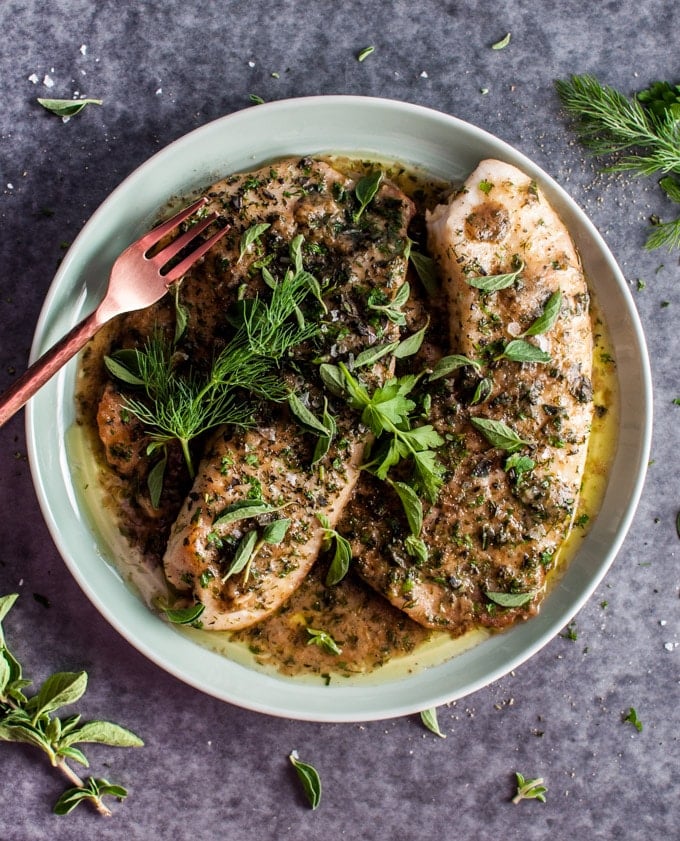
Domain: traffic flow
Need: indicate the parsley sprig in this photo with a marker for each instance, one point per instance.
(31, 720)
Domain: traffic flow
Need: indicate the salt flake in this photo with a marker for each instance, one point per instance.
(83, 49)
(48, 81)
(33, 79)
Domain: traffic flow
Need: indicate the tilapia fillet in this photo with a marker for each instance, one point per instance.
(352, 259)
(498, 522)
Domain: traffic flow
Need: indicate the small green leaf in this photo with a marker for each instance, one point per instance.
(426, 271)
(74, 754)
(372, 354)
(323, 640)
(503, 43)
(310, 779)
(333, 379)
(67, 107)
(6, 603)
(498, 434)
(323, 443)
(482, 392)
(366, 190)
(411, 344)
(632, 717)
(104, 733)
(243, 555)
(306, 418)
(413, 507)
(275, 532)
(510, 599)
(118, 369)
(417, 549)
(529, 789)
(520, 351)
(495, 282)
(57, 691)
(448, 364)
(181, 314)
(184, 616)
(519, 463)
(362, 55)
(547, 319)
(342, 558)
(243, 510)
(251, 235)
(429, 719)
(154, 480)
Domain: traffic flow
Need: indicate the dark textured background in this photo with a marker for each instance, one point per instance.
(210, 770)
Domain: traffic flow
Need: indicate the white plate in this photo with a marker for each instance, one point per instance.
(445, 147)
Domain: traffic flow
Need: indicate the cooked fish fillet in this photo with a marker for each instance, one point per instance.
(495, 529)
(351, 259)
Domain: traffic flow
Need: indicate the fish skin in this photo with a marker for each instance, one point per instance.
(488, 531)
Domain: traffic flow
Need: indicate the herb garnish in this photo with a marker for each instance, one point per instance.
(343, 551)
(532, 789)
(324, 640)
(30, 720)
(496, 282)
(518, 350)
(309, 777)
(65, 108)
(641, 131)
(510, 599)
(362, 55)
(498, 434)
(379, 302)
(547, 319)
(365, 191)
(429, 719)
(632, 716)
(180, 406)
(503, 43)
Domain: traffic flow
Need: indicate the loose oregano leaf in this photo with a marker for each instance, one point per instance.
(426, 271)
(495, 282)
(429, 719)
(243, 510)
(306, 417)
(154, 481)
(67, 107)
(503, 43)
(103, 733)
(547, 319)
(366, 190)
(520, 351)
(243, 555)
(372, 354)
(632, 717)
(498, 434)
(413, 507)
(533, 789)
(251, 235)
(362, 55)
(448, 364)
(57, 691)
(510, 599)
(411, 344)
(309, 777)
(275, 532)
(323, 640)
(184, 616)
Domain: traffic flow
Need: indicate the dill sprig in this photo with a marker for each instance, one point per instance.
(643, 132)
(177, 406)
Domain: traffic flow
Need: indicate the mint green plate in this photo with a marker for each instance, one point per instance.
(445, 147)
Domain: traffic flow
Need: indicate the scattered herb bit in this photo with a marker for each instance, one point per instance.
(546, 321)
(520, 351)
(632, 716)
(255, 99)
(519, 464)
(391, 309)
(641, 285)
(425, 269)
(485, 186)
(154, 481)
(243, 510)
(640, 132)
(498, 434)
(677, 524)
(533, 789)
(676, 401)
(448, 364)
(30, 720)
(250, 236)
(343, 552)
(324, 640)
(366, 190)
(482, 392)
(570, 633)
(503, 43)
(495, 282)
(362, 55)
(67, 107)
(510, 599)
(429, 719)
(185, 615)
(371, 355)
(309, 777)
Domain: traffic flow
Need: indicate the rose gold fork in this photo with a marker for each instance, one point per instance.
(137, 280)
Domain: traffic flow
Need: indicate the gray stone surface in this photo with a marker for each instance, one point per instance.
(210, 770)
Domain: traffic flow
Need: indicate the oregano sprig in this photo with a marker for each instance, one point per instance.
(31, 720)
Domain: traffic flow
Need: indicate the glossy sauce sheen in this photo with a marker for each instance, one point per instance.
(281, 599)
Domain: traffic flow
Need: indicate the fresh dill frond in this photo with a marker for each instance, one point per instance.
(182, 406)
(642, 133)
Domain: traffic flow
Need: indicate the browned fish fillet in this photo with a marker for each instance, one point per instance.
(352, 260)
(495, 528)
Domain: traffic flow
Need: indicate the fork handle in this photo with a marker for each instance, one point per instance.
(47, 365)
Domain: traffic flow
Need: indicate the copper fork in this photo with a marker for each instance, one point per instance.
(137, 280)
